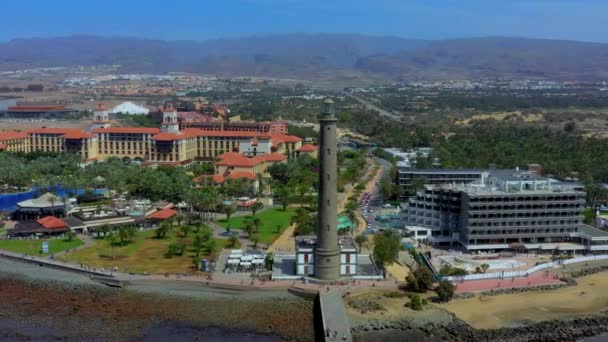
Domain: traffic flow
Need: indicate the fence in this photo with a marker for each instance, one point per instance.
(525, 273)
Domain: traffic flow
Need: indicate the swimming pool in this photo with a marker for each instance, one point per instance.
(471, 265)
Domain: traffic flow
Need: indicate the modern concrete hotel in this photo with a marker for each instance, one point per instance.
(505, 209)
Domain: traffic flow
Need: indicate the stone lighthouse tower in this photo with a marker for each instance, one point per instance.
(327, 252)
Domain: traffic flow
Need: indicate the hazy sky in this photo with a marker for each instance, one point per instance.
(202, 19)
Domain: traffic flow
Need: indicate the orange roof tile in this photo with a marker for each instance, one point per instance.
(273, 157)
(307, 148)
(236, 159)
(11, 135)
(51, 222)
(239, 175)
(163, 214)
(68, 133)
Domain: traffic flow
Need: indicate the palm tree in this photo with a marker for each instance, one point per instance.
(250, 228)
(255, 207)
(228, 210)
(198, 244)
(361, 241)
(52, 201)
(185, 230)
(126, 233)
(113, 239)
(255, 239)
(162, 230)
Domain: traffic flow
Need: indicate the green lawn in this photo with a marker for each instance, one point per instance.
(145, 253)
(271, 218)
(34, 247)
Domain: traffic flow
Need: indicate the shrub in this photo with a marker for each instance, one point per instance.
(394, 294)
(415, 302)
(445, 290)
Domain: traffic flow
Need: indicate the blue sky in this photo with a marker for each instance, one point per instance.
(202, 19)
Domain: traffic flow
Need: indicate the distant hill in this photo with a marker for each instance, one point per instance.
(272, 55)
(493, 58)
(308, 56)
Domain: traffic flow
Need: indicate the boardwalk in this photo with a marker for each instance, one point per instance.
(335, 322)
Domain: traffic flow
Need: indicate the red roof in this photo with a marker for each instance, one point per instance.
(133, 130)
(184, 134)
(51, 222)
(236, 159)
(307, 148)
(163, 214)
(239, 175)
(67, 133)
(273, 157)
(10, 135)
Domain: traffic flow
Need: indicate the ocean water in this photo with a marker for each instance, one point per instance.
(598, 338)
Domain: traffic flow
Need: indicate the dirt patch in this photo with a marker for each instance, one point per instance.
(588, 297)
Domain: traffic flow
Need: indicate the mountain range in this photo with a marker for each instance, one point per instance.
(307, 56)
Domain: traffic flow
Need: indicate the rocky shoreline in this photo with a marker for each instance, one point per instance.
(458, 330)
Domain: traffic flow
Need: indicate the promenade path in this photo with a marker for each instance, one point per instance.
(336, 326)
(535, 279)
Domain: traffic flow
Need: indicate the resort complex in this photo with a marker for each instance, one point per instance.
(174, 143)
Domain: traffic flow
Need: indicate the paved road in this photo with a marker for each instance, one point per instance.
(381, 111)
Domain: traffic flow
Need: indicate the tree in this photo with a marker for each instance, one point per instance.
(361, 241)
(197, 244)
(255, 206)
(162, 230)
(112, 238)
(445, 290)
(69, 236)
(386, 248)
(228, 210)
(211, 246)
(179, 219)
(52, 201)
(185, 230)
(269, 261)
(424, 277)
(415, 302)
(484, 267)
(233, 241)
(412, 283)
(255, 238)
(282, 194)
(126, 233)
(250, 228)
